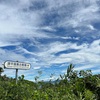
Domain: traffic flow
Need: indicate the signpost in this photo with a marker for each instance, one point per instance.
(16, 65)
(16, 75)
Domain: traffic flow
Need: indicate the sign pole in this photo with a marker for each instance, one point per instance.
(16, 75)
(16, 65)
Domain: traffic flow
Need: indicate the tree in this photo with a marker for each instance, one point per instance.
(85, 74)
(70, 70)
(1, 70)
(21, 78)
(71, 74)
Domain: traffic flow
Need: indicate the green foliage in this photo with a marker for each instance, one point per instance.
(73, 85)
(89, 95)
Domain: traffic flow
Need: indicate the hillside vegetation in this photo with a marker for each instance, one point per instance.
(73, 85)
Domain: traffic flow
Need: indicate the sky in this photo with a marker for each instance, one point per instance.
(50, 35)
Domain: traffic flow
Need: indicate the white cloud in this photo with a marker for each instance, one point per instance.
(2, 44)
(87, 53)
(91, 27)
(95, 71)
(72, 38)
(24, 51)
(10, 55)
(17, 23)
(38, 67)
(14, 20)
(85, 67)
(81, 16)
(84, 55)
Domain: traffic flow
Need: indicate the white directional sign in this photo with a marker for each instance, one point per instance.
(16, 65)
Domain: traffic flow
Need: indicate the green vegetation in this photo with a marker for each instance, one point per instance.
(73, 85)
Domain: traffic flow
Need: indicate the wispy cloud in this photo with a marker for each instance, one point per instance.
(81, 19)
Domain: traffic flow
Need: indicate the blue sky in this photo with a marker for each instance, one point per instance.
(50, 34)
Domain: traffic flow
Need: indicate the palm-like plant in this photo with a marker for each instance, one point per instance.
(70, 71)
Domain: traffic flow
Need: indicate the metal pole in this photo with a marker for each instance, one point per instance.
(16, 75)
